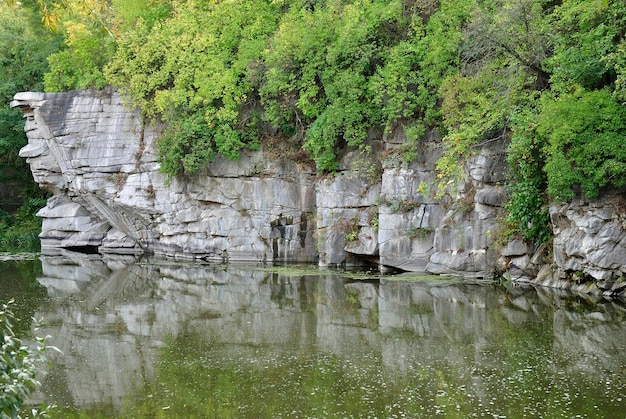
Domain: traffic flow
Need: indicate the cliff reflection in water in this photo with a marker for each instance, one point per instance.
(242, 341)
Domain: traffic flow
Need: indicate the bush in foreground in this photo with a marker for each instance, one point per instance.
(20, 365)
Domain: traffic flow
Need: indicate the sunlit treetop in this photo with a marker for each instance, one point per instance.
(327, 75)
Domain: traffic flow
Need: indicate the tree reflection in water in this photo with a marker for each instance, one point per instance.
(156, 339)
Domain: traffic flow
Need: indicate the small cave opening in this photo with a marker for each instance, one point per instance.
(88, 250)
(368, 262)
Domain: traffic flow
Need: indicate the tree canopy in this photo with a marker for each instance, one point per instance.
(24, 47)
(547, 78)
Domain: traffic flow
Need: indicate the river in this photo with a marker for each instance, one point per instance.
(146, 339)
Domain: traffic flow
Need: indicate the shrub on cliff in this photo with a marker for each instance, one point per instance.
(197, 70)
(325, 73)
(337, 71)
(527, 207)
(586, 135)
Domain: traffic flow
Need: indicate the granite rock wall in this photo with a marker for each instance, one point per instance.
(99, 162)
(98, 159)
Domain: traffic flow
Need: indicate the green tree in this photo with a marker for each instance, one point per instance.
(319, 64)
(24, 49)
(587, 44)
(586, 133)
(196, 71)
(503, 53)
(24, 46)
(407, 85)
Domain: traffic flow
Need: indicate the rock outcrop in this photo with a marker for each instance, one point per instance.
(589, 245)
(99, 162)
(98, 159)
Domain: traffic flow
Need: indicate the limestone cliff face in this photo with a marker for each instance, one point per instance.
(589, 245)
(99, 161)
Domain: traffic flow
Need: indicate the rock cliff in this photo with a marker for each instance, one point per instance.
(98, 159)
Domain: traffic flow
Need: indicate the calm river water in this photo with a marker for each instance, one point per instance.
(153, 339)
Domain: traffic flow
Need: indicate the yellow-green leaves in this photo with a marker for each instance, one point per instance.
(586, 133)
(195, 71)
(321, 81)
(327, 74)
(89, 28)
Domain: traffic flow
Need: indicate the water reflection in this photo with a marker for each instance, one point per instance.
(147, 339)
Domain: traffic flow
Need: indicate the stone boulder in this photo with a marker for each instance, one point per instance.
(590, 240)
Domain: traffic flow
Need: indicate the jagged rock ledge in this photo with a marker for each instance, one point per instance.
(98, 159)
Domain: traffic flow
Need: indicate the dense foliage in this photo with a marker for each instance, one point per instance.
(195, 70)
(24, 47)
(546, 78)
